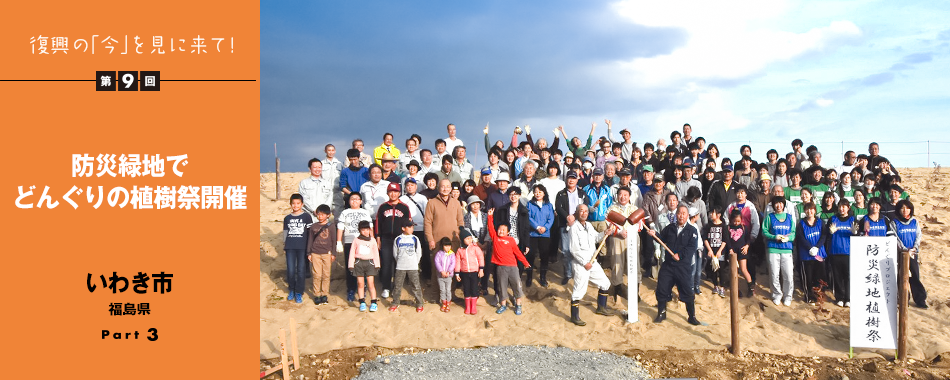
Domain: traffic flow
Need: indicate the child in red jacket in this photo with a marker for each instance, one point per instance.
(505, 256)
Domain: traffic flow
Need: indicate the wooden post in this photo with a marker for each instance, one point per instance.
(293, 344)
(734, 302)
(277, 176)
(283, 355)
(902, 290)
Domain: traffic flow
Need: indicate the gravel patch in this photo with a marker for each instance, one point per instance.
(518, 362)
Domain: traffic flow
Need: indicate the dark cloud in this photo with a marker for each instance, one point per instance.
(340, 70)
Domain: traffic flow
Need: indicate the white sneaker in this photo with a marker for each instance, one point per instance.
(847, 304)
(787, 302)
(840, 304)
(776, 302)
(385, 293)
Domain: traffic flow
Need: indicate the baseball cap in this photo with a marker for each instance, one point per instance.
(572, 174)
(648, 168)
(625, 171)
(727, 168)
(393, 186)
(411, 180)
(486, 171)
(598, 171)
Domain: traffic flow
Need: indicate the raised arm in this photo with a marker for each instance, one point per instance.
(491, 224)
(527, 132)
(590, 137)
(568, 139)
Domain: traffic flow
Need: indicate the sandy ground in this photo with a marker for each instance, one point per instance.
(768, 329)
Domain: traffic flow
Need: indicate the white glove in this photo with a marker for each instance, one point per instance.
(555, 131)
(527, 129)
(813, 251)
(339, 247)
(486, 129)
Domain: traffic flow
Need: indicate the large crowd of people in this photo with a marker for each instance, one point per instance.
(432, 217)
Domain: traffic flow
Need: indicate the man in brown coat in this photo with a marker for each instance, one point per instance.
(443, 217)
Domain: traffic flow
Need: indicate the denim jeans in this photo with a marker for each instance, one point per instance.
(566, 252)
(296, 269)
(696, 267)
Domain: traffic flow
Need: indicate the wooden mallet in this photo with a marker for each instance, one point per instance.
(617, 219)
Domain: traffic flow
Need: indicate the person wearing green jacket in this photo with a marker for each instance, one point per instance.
(779, 232)
(574, 144)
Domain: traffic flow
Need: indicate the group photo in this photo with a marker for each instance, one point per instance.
(443, 187)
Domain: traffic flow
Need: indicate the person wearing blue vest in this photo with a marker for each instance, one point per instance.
(810, 240)
(840, 229)
(874, 223)
(908, 231)
(778, 229)
(599, 200)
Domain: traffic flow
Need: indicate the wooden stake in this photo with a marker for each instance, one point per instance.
(270, 371)
(293, 344)
(902, 288)
(277, 176)
(283, 355)
(734, 302)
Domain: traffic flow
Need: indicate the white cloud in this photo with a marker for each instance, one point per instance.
(822, 102)
(725, 41)
(709, 114)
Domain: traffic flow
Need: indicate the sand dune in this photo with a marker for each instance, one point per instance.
(766, 328)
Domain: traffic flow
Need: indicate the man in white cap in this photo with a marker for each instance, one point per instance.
(499, 198)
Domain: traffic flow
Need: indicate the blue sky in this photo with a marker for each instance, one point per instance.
(762, 71)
